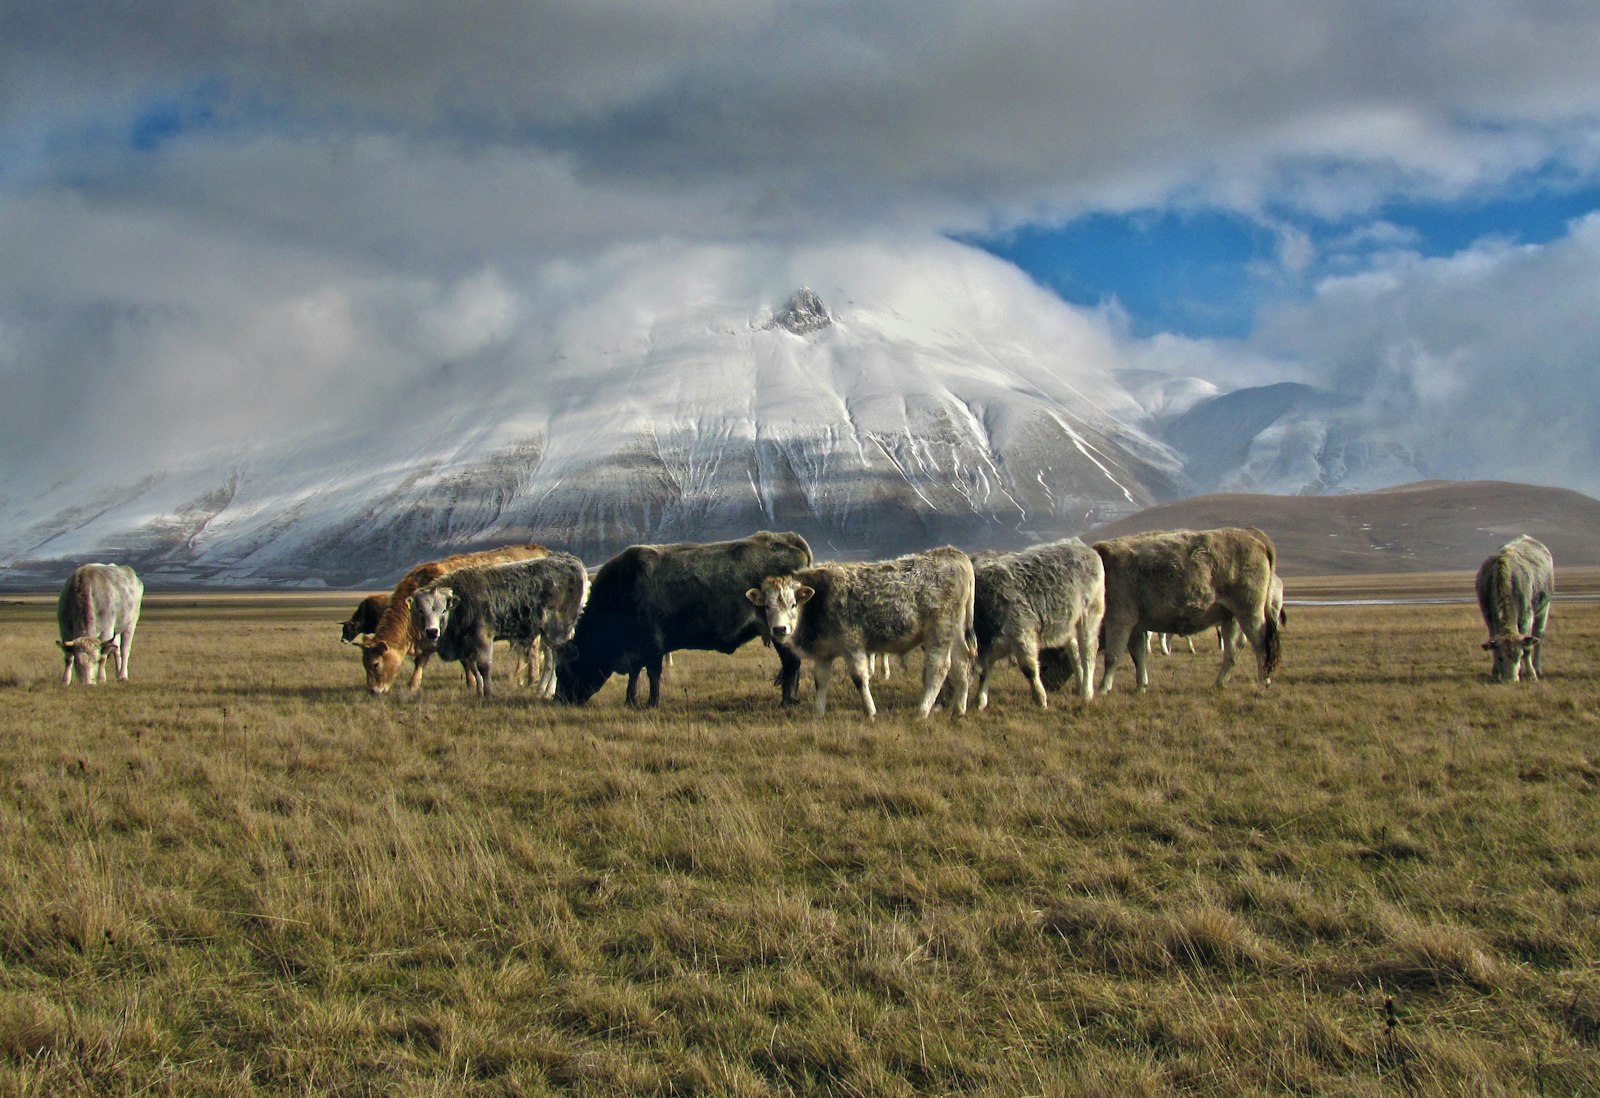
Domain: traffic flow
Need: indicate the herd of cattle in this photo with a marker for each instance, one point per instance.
(1050, 608)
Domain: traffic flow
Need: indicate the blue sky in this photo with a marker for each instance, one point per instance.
(1204, 272)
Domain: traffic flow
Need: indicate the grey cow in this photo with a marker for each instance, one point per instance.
(1046, 596)
(1184, 581)
(463, 613)
(852, 610)
(97, 614)
(1514, 589)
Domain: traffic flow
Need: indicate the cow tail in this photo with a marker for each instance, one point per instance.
(1272, 644)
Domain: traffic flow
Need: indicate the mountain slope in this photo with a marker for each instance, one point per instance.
(1424, 527)
(930, 412)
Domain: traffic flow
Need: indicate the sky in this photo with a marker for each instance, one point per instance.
(219, 218)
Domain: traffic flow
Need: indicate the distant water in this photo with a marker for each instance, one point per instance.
(1448, 600)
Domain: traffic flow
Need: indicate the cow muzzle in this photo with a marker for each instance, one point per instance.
(431, 634)
(780, 630)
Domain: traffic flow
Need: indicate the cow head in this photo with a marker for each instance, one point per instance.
(579, 676)
(1511, 651)
(86, 658)
(382, 663)
(349, 630)
(430, 608)
(781, 597)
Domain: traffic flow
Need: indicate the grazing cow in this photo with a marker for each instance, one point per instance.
(526, 601)
(1046, 596)
(365, 619)
(97, 613)
(394, 638)
(1514, 589)
(853, 610)
(1183, 581)
(651, 600)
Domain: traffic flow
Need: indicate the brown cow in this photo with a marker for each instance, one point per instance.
(1184, 581)
(395, 638)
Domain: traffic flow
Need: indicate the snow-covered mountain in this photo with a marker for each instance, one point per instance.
(871, 413)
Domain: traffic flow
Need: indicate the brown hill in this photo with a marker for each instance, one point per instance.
(1430, 526)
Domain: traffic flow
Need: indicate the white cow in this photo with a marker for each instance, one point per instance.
(97, 614)
(852, 610)
(1047, 596)
(1514, 589)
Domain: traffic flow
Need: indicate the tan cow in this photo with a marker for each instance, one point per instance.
(1185, 581)
(395, 638)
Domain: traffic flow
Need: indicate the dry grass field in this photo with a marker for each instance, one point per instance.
(239, 874)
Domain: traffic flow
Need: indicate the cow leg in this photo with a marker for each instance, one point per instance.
(822, 674)
(861, 674)
(1117, 641)
(1083, 646)
(985, 668)
(482, 663)
(418, 662)
(959, 674)
(788, 675)
(935, 669)
(1028, 664)
(653, 669)
(632, 696)
(547, 672)
(1228, 631)
(125, 652)
(1540, 617)
(1139, 651)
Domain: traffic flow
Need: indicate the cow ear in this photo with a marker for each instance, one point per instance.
(756, 596)
(803, 594)
(65, 646)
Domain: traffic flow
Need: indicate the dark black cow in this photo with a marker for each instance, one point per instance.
(367, 614)
(650, 600)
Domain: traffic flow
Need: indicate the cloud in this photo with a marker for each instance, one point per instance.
(1486, 359)
(227, 217)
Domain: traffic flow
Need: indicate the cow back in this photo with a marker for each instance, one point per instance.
(100, 601)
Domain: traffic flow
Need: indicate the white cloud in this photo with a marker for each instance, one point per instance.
(1489, 360)
(350, 195)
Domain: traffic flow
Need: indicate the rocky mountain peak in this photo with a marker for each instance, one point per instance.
(803, 313)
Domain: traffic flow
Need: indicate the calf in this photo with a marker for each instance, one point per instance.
(1184, 581)
(1514, 589)
(1047, 596)
(853, 610)
(527, 601)
(97, 613)
(365, 619)
(394, 638)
